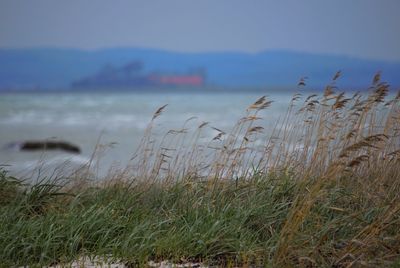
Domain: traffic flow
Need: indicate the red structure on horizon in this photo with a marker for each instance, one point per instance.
(132, 75)
(178, 80)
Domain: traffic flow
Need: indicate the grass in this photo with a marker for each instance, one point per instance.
(321, 190)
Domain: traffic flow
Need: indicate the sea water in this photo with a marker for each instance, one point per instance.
(113, 121)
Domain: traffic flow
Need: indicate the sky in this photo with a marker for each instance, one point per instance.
(358, 28)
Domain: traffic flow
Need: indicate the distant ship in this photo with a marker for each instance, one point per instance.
(131, 75)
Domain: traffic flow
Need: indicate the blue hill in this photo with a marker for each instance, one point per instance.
(59, 68)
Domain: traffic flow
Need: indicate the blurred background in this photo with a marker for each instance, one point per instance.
(93, 72)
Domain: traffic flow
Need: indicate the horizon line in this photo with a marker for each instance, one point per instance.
(217, 51)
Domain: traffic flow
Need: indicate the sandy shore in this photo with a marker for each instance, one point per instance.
(99, 262)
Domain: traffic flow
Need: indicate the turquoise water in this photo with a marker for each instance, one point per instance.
(87, 119)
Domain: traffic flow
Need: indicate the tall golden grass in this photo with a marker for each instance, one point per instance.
(318, 136)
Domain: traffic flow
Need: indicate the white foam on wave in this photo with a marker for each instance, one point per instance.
(102, 120)
(47, 167)
(26, 117)
(56, 160)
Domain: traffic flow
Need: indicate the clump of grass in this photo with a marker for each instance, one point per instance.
(319, 189)
(138, 222)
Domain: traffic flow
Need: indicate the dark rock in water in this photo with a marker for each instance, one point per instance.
(48, 145)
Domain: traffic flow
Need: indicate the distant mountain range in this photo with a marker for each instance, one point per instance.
(49, 68)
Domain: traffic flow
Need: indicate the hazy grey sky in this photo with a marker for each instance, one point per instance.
(361, 28)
